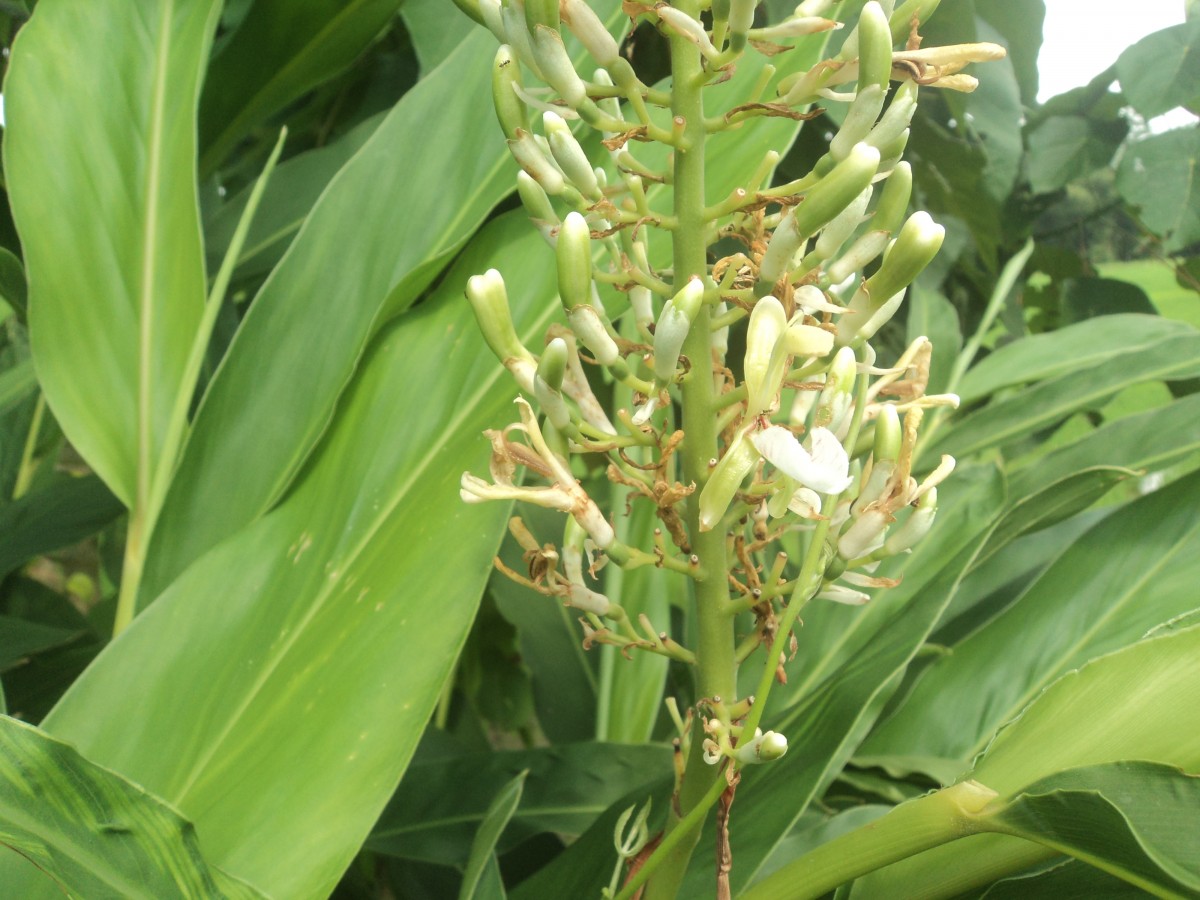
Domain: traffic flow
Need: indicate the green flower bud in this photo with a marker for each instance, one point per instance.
(874, 47)
(765, 356)
(860, 119)
(570, 156)
(842, 226)
(861, 252)
(837, 190)
(915, 527)
(761, 748)
(590, 31)
(807, 340)
(893, 199)
(901, 20)
(510, 110)
(896, 118)
(552, 367)
(640, 300)
(532, 160)
(888, 434)
(541, 12)
(492, 14)
(784, 243)
(915, 247)
(489, 300)
(673, 326)
(610, 106)
(516, 34)
(725, 479)
(574, 254)
(741, 20)
(548, 385)
(535, 200)
(590, 328)
(557, 69)
(836, 400)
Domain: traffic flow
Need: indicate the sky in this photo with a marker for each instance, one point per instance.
(1082, 38)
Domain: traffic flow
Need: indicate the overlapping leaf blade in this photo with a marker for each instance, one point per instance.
(312, 645)
(107, 176)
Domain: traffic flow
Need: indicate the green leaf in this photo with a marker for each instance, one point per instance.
(1065, 148)
(280, 51)
(1069, 879)
(1105, 592)
(60, 513)
(314, 315)
(92, 833)
(1086, 298)
(288, 199)
(13, 289)
(1135, 820)
(435, 31)
(20, 638)
(1158, 175)
(1136, 703)
(111, 331)
(310, 651)
(17, 383)
(1049, 402)
(1162, 70)
(440, 802)
(1088, 344)
(483, 848)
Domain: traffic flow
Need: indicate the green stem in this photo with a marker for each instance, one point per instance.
(716, 671)
(28, 466)
(907, 830)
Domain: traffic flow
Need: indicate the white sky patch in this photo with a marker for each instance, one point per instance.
(1082, 38)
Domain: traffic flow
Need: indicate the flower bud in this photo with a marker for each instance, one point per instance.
(541, 12)
(896, 118)
(915, 527)
(874, 47)
(590, 31)
(506, 74)
(837, 400)
(837, 190)
(915, 247)
(807, 340)
(741, 19)
(761, 748)
(574, 255)
(888, 434)
(548, 384)
(570, 156)
(537, 206)
(860, 119)
(489, 300)
(589, 327)
(861, 252)
(673, 326)
(901, 19)
(865, 534)
(640, 300)
(765, 359)
(492, 14)
(518, 35)
(798, 26)
(725, 480)
(893, 199)
(685, 26)
(784, 243)
(557, 69)
(842, 226)
(529, 157)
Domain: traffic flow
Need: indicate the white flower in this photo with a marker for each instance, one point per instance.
(825, 468)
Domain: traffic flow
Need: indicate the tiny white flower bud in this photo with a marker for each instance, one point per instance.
(764, 360)
(570, 156)
(685, 26)
(587, 27)
(673, 327)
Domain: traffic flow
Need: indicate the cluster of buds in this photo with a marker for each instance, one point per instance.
(814, 439)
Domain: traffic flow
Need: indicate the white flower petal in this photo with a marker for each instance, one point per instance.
(825, 470)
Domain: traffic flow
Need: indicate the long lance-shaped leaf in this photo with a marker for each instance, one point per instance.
(102, 182)
(92, 833)
(1137, 568)
(481, 878)
(1141, 702)
(312, 645)
(280, 50)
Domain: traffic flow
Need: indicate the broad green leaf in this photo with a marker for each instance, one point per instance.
(279, 51)
(1136, 703)
(435, 30)
(310, 646)
(1158, 175)
(112, 331)
(373, 243)
(1162, 70)
(1067, 879)
(1049, 402)
(1064, 148)
(21, 638)
(13, 289)
(1147, 441)
(1094, 343)
(91, 832)
(1086, 298)
(288, 199)
(826, 726)
(1135, 569)
(483, 849)
(441, 802)
(60, 513)
(1133, 819)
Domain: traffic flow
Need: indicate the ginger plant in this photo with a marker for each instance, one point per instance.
(802, 438)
